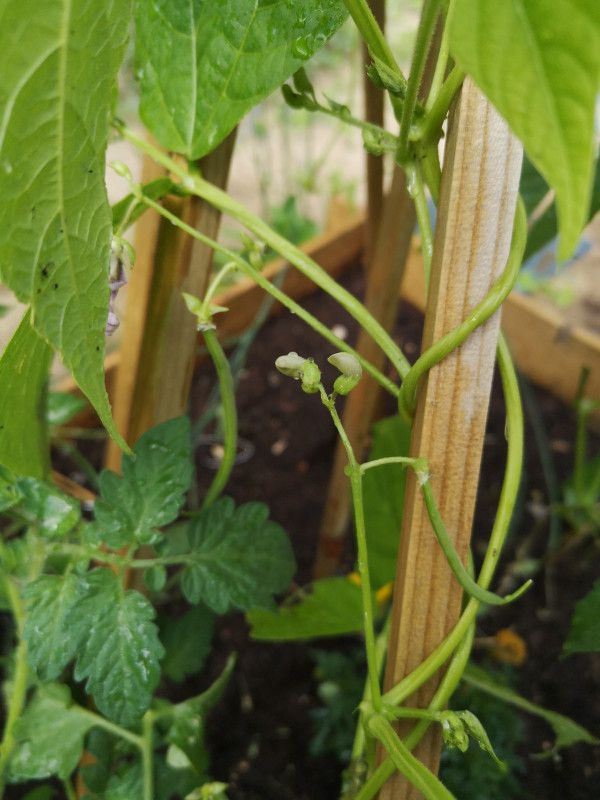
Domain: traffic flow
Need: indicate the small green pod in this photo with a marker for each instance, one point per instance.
(311, 377)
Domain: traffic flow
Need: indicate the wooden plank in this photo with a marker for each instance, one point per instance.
(479, 186)
(159, 336)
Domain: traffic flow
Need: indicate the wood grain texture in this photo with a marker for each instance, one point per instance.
(478, 195)
(159, 336)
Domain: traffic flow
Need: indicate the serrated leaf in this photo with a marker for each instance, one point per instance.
(584, 634)
(120, 652)
(332, 607)
(52, 513)
(62, 407)
(49, 736)
(202, 64)
(24, 366)
(383, 498)
(239, 558)
(538, 61)
(59, 61)
(187, 641)
(151, 492)
(52, 640)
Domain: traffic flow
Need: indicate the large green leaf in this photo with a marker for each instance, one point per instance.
(584, 636)
(49, 736)
(119, 649)
(23, 377)
(239, 557)
(203, 64)
(538, 61)
(332, 607)
(59, 61)
(383, 496)
(51, 639)
(152, 490)
(544, 229)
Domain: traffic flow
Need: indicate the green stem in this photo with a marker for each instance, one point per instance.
(227, 392)
(18, 692)
(111, 727)
(355, 475)
(506, 504)
(424, 35)
(419, 464)
(420, 777)
(473, 589)
(439, 73)
(429, 130)
(482, 312)
(416, 189)
(148, 755)
(439, 701)
(70, 792)
(221, 200)
(376, 43)
(275, 292)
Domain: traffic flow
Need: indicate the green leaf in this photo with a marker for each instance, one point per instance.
(24, 368)
(49, 736)
(62, 407)
(333, 607)
(545, 227)
(383, 497)
(567, 731)
(239, 557)
(187, 642)
(538, 61)
(584, 635)
(532, 187)
(203, 64)
(210, 791)
(52, 513)
(59, 61)
(152, 490)
(119, 652)
(52, 640)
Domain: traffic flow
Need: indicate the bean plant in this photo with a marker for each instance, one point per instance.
(83, 585)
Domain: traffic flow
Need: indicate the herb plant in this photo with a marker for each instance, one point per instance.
(201, 67)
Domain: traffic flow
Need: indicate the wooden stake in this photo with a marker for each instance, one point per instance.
(374, 113)
(478, 194)
(384, 277)
(159, 336)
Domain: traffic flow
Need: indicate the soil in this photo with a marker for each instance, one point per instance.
(259, 734)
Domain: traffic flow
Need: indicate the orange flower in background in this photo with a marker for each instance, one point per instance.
(508, 647)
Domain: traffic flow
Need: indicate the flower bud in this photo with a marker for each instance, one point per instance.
(291, 365)
(311, 377)
(351, 371)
